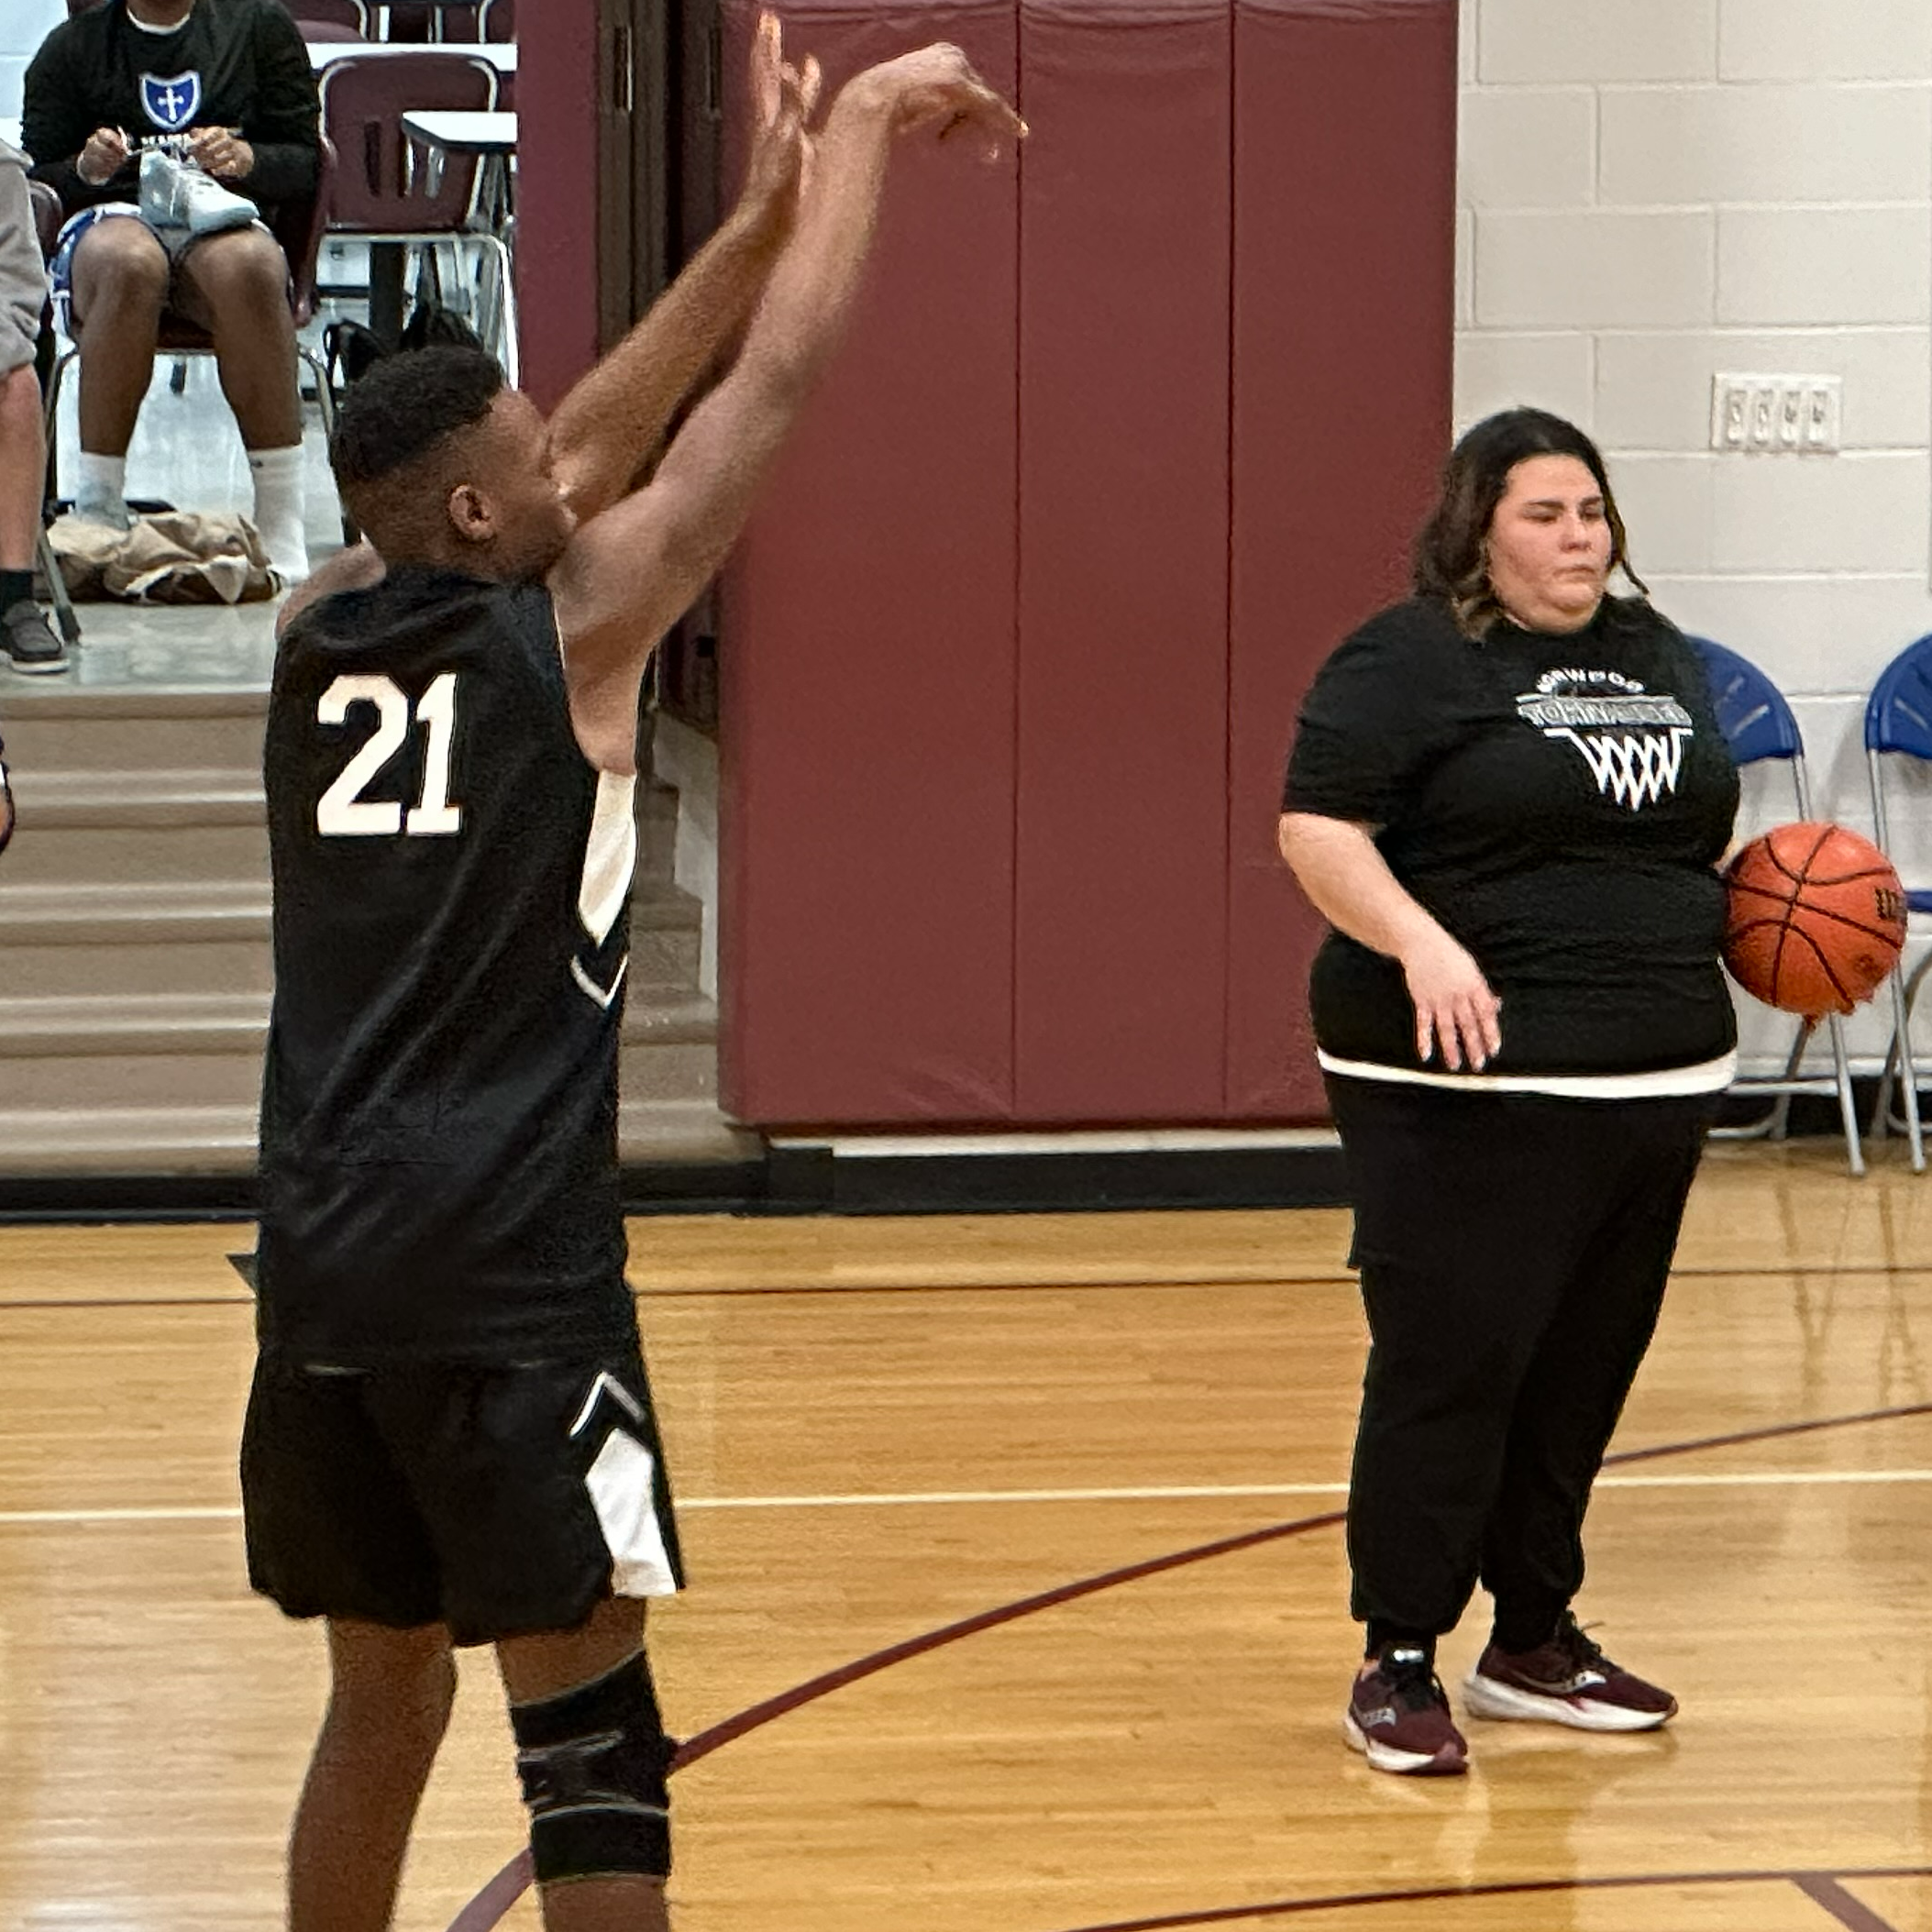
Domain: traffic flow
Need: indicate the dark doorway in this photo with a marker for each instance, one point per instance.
(661, 89)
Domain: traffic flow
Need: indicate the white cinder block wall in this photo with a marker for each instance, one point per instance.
(1653, 191)
(24, 24)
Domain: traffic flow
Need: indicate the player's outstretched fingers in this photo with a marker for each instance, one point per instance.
(767, 67)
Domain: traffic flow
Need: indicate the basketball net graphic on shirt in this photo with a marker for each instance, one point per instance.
(1632, 742)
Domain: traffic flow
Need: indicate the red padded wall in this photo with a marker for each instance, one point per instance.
(1012, 653)
(1122, 925)
(868, 657)
(1344, 166)
(557, 202)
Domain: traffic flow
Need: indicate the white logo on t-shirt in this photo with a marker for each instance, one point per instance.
(1632, 742)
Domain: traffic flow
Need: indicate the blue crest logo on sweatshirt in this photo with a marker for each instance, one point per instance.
(172, 102)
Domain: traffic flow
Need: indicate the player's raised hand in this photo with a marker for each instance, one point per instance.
(936, 87)
(784, 98)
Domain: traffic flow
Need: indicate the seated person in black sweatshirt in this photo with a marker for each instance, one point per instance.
(159, 122)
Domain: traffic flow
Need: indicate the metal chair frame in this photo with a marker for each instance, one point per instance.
(1758, 726)
(466, 227)
(1898, 723)
(46, 206)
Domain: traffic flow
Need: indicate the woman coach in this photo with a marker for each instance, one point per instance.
(1507, 796)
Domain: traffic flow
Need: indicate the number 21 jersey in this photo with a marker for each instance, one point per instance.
(451, 881)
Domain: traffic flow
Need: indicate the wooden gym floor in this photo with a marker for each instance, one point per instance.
(882, 1430)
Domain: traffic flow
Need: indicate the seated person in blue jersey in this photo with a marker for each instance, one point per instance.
(166, 126)
(450, 1437)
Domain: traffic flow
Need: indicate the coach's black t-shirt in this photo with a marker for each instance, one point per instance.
(452, 880)
(1559, 804)
(231, 63)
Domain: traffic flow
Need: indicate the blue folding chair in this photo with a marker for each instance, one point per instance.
(1758, 725)
(1898, 723)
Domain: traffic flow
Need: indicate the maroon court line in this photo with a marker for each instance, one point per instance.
(1822, 1887)
(510, 1884)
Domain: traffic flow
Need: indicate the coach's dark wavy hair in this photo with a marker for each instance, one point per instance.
(393, 417)
(1452, 550)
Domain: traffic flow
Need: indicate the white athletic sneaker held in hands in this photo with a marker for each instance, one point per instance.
(178, 196)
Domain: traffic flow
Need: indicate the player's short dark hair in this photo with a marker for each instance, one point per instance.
(1450, 560)
(404, 406)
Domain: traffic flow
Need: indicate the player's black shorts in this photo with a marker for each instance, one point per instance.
(498, 1501)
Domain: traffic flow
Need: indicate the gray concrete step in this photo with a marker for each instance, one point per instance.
(191, 1052)
(135, 967)
(189, 1141)
(61, 728)
(128, 939)
(195, 823)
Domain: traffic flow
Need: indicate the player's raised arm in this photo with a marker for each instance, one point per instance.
(611, 425)
(629, 573)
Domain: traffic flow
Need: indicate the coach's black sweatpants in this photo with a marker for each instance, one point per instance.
(1513, 1249)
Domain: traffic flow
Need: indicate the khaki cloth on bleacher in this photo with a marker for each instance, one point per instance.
(23, 275)
(173, 556)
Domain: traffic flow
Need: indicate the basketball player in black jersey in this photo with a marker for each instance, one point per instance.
(451, 1438)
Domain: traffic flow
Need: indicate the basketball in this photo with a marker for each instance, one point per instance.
(1816, 919)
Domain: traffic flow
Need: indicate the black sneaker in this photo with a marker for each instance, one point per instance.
(28, 639)
(1566, 1681)
(1397, 1717)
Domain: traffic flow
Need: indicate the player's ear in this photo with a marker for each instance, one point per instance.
(470, 514)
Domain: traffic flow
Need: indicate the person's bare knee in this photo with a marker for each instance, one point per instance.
(554, 1660)
(119, 271)
(237, 283)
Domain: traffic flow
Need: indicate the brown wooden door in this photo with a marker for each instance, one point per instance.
(633, 147)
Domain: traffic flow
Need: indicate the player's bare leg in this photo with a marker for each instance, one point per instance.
(389, 1695)
(538, 1669)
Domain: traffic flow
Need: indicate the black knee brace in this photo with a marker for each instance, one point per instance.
(593, 1762)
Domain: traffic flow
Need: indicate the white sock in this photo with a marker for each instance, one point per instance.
(101, 490)
(279, 510)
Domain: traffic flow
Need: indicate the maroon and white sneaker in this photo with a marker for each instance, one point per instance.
(1566, 1681)
(1397, 1717)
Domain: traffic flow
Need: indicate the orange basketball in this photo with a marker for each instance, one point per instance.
(1817, 920)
